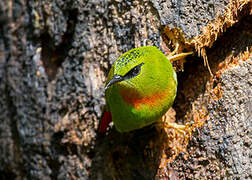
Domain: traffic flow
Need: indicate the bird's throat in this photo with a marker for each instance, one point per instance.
(138, 101)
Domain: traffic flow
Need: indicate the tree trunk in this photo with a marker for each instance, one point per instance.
(54, 58)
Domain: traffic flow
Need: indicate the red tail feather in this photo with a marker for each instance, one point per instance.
(104, 122)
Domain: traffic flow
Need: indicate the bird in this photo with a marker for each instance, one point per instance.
(140, 88)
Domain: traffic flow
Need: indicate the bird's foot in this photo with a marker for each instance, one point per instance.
(175, 55)
(175, 51)
(179, 56)
(182, 128)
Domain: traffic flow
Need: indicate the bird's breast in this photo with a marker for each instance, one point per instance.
(137, 100)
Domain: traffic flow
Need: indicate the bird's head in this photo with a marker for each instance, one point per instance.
(140, 69)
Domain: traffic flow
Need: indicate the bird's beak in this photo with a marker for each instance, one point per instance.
(116, 78)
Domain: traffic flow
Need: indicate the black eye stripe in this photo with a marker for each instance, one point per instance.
(133, 72)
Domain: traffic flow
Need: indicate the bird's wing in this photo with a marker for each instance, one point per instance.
(105, 120)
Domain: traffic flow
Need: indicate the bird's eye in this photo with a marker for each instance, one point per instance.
(133, 72)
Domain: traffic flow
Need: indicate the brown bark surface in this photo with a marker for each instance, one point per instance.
(54, 58)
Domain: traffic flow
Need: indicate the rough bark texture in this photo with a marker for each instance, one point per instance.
(54, 57)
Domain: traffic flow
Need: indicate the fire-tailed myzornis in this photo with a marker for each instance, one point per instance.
(140, 88)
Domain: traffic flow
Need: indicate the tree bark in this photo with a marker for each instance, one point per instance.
(54, 58)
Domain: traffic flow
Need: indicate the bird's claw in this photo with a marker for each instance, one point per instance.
(183, 129)
(175, 55)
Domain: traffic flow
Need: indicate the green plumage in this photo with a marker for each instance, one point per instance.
(141, 87)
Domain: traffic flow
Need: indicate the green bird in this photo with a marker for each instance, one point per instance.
(140, 88)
